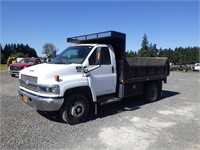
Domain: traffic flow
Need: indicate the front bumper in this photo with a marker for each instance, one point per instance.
(41, 103)
(16, 72)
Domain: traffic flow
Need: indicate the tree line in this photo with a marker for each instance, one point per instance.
(178, 56)
(21, 50)
(16, 50)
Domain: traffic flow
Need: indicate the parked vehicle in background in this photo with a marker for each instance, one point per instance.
(14, 69)
(42, 60)
(19, 58)
(93, 72)
(197, 67)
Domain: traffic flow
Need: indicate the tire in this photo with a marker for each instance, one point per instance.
(151, 93)
(75, 109)
(12, 75)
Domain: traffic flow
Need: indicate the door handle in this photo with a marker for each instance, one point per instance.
(113, 69)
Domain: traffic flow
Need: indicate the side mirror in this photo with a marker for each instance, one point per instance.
(98, 56)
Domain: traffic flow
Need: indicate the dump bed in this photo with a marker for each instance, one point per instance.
(136, 69)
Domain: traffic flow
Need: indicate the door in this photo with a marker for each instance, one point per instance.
(103, 79)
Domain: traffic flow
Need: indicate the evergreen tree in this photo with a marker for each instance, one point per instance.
(152, 50)
(130, 53)
(12, 49)
(1, 52)
(192, 54)
(7, 50)
(3, 60)
(143, 52)
(169, 53)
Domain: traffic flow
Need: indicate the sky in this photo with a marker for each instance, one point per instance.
(168, 24)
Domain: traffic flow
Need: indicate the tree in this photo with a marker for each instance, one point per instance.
(143, 52)
(18, 55)
(169, 53)
(192, 55)
(49, 50)
(7, 50)
(12, 49)
(130, 53)
(3, 60)
(152, 50)
(179, 55)
(1, 48)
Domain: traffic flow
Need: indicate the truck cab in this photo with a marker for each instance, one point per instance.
(93, 71)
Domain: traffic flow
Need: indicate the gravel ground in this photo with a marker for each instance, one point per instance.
(170, 123)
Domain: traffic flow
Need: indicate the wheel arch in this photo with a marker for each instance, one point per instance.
(157, 82)
(83, 90)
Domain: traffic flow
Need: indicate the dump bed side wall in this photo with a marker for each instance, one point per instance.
(137, 69)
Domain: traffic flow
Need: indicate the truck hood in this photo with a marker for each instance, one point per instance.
(48, 71)
(21, 64)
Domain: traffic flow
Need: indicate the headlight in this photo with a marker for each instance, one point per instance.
(54, 89)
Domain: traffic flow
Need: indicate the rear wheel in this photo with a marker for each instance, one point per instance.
(75, 109)
(151, 93)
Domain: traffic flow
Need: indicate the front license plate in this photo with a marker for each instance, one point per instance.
(25, 98)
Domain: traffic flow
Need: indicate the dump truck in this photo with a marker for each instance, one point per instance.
(92, 72)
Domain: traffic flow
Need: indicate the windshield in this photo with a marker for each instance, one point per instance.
(73, 55)
(27, 60)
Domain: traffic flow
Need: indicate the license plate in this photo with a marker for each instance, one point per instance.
(25, 98)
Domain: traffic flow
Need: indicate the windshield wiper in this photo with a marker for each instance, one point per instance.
(60, 62)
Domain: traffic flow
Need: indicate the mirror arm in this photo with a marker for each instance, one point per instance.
(86, 69)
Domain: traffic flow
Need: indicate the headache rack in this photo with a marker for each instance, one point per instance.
(116, 39)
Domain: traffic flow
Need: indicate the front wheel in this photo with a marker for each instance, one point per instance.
(151, 93)
(75, 109)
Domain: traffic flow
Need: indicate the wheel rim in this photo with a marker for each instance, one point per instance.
(77, 110)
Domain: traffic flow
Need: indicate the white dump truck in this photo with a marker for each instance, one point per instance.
(94, 71)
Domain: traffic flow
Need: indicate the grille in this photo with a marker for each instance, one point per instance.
(28, 82)
(16, 68)
(29, 78)
(29, 86)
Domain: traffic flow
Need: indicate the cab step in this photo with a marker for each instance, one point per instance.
(105, 100)
(108, 100)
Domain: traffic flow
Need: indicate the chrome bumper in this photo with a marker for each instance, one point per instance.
(41, 103)
(14, 72)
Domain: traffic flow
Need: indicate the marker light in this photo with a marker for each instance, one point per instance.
(56, 77)
(98, 56)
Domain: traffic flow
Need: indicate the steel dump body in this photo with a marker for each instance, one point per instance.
(137, 69)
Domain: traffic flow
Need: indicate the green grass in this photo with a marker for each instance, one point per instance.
(3, 68)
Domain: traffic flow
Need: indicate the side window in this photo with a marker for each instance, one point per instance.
(105, 57)
(92, 59)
